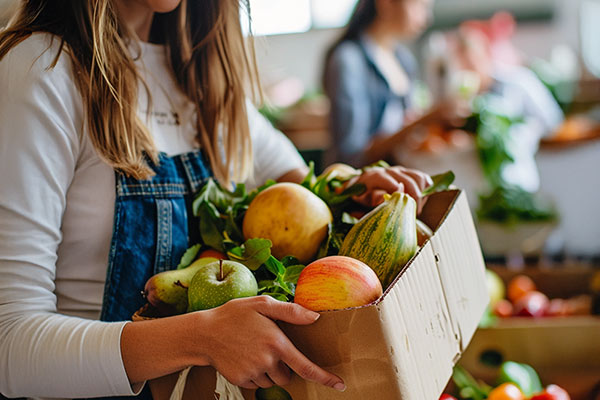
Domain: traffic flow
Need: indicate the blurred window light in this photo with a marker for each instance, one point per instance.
(331, 13)
(272, 17)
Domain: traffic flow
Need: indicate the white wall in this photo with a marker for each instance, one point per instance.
(301, 55)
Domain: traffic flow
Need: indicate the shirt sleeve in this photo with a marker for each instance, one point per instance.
(274, 154)
(43, 353)
(347, 89)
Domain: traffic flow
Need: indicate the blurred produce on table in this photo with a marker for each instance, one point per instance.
(520, 296)
(513, 381)
(561, 343)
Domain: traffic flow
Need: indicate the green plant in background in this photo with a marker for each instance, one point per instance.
(553, 78)
(503, 202)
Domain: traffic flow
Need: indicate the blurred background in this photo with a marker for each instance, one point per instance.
(556, 39)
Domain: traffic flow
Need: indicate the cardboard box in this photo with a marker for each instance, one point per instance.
(564, 350)
(405, 345)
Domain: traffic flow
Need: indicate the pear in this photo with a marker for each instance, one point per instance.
(168, 291)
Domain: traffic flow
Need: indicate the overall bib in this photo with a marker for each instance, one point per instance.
(153, 226)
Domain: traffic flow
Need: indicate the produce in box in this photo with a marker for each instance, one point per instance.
(269, 235)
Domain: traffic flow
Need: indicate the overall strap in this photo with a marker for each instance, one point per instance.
(153, 226)
(196, 169)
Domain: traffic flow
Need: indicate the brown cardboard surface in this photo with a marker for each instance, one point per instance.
(405, 345)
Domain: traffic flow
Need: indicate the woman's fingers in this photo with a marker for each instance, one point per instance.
(411, 187)
(280, 375)
(422, 179)
(309, 370)
(248, 385)
(380, 181)
(263, 381)
(282, 311)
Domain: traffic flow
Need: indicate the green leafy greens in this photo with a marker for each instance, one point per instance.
(503, 202)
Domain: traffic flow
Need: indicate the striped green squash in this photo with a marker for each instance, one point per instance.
(385, 238)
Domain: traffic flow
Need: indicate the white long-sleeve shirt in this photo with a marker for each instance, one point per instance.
(56, 215)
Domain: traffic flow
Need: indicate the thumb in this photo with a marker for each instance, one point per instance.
(287, 312)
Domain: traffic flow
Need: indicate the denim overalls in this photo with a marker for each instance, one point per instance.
(153, 226)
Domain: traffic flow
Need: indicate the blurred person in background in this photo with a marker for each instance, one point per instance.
(370, 76)
(509, 89)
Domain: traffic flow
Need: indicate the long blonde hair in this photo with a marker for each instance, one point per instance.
(206, 50)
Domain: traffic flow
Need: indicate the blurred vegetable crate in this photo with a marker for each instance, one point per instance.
(564, 350)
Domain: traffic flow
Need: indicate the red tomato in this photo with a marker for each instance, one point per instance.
(532, 304)
(503, 308)
(552, 392)
(519, 286)
(446, 396)
(506, 391)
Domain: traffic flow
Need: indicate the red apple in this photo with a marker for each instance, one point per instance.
(531, 304)
(336, 282)
(213, 253)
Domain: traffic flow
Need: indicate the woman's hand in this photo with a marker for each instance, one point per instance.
(380, 181)
(245, 345)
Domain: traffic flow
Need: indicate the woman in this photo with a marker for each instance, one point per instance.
(369, 78)
(105, 107)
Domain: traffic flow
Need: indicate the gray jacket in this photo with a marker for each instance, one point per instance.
(358, 93)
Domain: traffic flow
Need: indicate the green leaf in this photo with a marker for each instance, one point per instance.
(355, 190)
(211, 229)
(277, 296)
(324, 247)
(189, 256)
(292, 273)
(310, 178)
(349, 219)
(213, 194)
(288, 261)
(468, 386)
(377, 164)
(275, 266)
(253, 253)
(441, 182)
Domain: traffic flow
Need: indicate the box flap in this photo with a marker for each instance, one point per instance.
(418, 328)
(462, 269)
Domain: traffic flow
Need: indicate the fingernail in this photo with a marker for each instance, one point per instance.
(339, 387)
(314, 315)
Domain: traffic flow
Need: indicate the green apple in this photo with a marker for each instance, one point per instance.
(272, 393)
(219, 282)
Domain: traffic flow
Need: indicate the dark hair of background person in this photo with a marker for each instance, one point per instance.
(363, 15)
